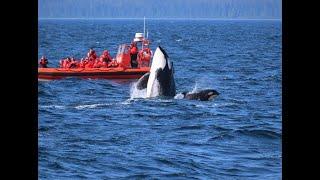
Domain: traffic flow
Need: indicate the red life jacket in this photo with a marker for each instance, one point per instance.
(73, 64)
(134, 50)
(83, 63)
(109, 58)
(97, 63)
(89, 64)
(104, 64)
(68, 64)
(113, 64)
(94, 56)
(64, 63)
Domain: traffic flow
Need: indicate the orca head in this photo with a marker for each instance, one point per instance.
(161, 78)
(209, 94)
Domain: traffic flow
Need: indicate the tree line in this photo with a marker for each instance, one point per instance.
(160, 8)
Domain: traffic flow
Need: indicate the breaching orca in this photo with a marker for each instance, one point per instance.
(160, 80)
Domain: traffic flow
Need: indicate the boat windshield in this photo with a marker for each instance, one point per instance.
(123, 49)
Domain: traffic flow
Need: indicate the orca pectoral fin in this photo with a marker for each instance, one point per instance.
(143, 81)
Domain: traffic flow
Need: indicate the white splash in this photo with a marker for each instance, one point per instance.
(179, 96)
(136, 93)
(195, 88)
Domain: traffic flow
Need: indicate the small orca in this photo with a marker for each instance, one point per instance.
(202, 95)
(160, 80)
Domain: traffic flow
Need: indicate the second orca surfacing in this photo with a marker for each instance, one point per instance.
(160, 80)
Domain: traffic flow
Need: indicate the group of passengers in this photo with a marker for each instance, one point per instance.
(90, 61)
(143, 55)
(104, 61)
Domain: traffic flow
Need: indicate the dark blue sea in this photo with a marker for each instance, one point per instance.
(96, 129)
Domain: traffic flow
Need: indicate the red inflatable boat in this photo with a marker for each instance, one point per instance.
(120, 66)
(92, 73)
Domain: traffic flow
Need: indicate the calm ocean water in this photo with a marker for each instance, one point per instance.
(94, 128)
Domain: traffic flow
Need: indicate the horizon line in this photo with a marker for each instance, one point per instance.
(275, 19)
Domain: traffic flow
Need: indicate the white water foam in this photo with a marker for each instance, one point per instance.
(44, 80)
(136, 93)
(90, 106)
(53, 107)
(127, 102)
(179, 96)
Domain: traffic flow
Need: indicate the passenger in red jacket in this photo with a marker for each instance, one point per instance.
(90, 63)
(43, 62)
(99, 63)
(134, 54)
(92, 54)
(67, 63)
(73, 63)
(83, 62)
(64, 63)
(103, 60)
(106, 57)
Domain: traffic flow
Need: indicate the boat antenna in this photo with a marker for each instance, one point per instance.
(144, 26)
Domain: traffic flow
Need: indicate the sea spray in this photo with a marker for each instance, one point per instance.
(136, 93)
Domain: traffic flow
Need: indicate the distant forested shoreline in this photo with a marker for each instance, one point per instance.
(242, 9)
